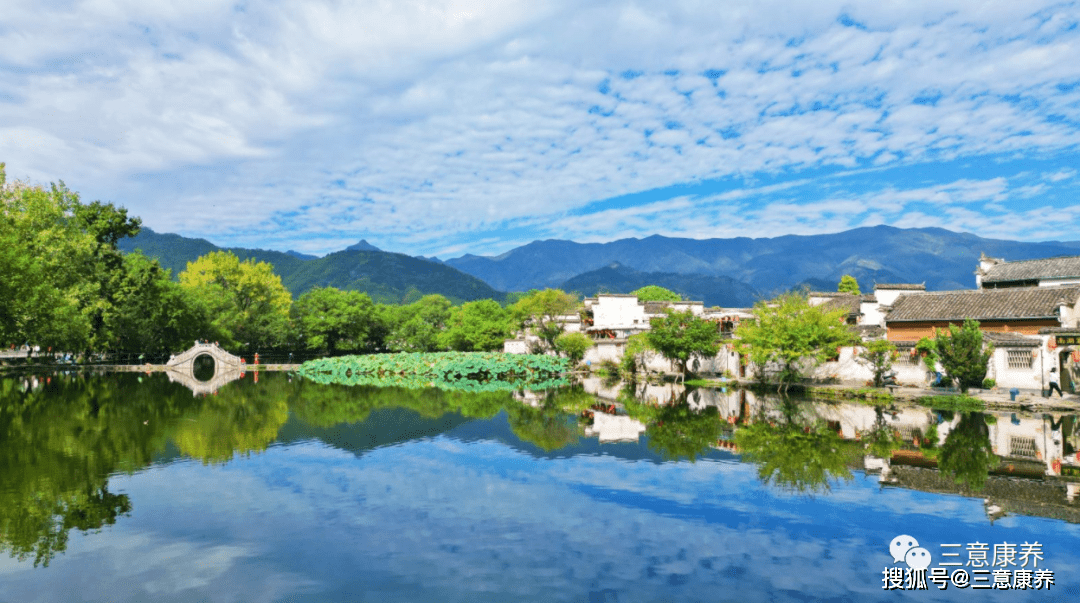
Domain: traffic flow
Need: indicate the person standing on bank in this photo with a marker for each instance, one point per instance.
(1054, 383)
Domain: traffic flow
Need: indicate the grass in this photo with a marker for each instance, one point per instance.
(961, 403)
(864, 393)
(710, 383)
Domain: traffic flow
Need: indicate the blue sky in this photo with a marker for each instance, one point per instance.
(440, 128)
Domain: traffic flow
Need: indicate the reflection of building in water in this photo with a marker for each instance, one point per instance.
(1051, 498)
(614, 428)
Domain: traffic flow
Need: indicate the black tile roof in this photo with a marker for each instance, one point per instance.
(984, 304)
(1026, 270)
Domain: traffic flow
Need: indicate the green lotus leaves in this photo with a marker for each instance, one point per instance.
(460, 371)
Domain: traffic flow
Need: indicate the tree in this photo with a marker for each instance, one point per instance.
(679, 335)
(656, 293)
(791, 333)
(416, 327)
(963, 354)
(573, 346)
(150, 312)
(328, 317)
(848, 284)
(246, 302)
(541, 309)
(478, 326)
(879, 354)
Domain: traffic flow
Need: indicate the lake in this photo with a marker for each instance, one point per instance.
(126, 487)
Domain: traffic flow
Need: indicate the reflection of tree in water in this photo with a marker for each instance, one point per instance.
(552, 424)
(967, 452)
(795, 453)
(881, 439)
(674, 430)
(60, 443)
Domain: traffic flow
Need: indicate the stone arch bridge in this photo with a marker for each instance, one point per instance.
(181, 368)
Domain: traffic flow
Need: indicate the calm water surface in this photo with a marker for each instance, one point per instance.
(116, 488)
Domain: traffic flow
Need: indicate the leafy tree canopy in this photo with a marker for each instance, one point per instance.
(679, 335)
(573, 346)
(246, 302)
(330, 319)
(848, 284)
(963, 354)
(656, 293)
(791, 333)
(477, 326)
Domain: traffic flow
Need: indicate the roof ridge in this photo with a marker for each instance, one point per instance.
(1055, 257)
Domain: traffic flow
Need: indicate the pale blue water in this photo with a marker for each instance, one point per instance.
(399, 508)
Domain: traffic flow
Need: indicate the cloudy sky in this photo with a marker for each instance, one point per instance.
(446, 127)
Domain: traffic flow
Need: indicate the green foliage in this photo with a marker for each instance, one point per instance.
(573, 346)
(963, 354)
(848, 284)
(478, 326)
(446, 370)
(927, 349)
(989, 383)
(679, 335)
(151, 313)
(329, 319)
(677, 431)
(634, 356)
(416, 327)
(953, 403)
(791, 333)
(656, 293)
(539, 310)
(801, 458)
(879, 354)
(62, 272)
(968, 453)
(246, 302)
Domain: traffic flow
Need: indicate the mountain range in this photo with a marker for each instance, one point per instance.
(724, 272)
(387, 277)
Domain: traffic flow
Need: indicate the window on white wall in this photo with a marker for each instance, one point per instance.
(1019, 359)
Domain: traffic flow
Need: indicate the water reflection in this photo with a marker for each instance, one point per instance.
(795, 450)
(63, 436)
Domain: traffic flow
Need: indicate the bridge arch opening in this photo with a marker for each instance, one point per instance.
(204, 367)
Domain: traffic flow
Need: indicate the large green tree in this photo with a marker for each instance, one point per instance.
(60, 266)
(478, 326)
(963, 354)
(416, 327)
(330, 319)
(246, 302)
(792, 334)
(151, 313)
(679, 335)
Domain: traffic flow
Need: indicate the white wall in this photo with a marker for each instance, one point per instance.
(615, 311)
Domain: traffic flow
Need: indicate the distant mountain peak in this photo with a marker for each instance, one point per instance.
(363, 245)
(302, 256)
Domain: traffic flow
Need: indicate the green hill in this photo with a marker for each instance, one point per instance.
(386, 277)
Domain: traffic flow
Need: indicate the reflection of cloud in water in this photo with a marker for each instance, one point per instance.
(445, 520)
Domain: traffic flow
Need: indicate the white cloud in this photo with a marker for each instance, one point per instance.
(422, 122)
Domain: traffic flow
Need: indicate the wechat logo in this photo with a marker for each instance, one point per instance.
(905, 548)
